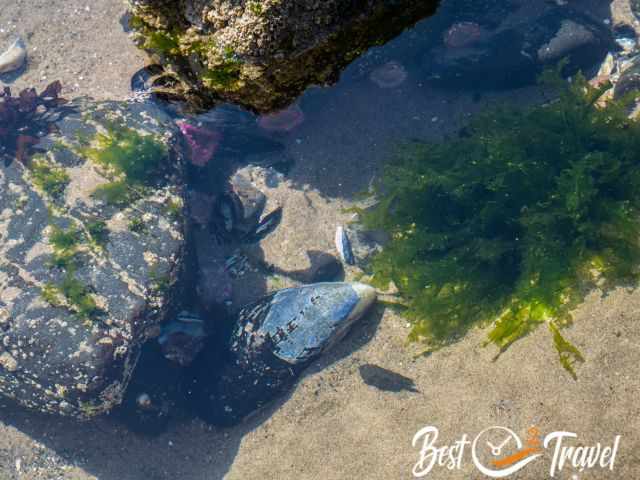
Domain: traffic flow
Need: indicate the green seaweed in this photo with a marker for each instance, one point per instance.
(99, 232)
(173, 209)
(160, 284)
(162, 42)
(513, 221)
(50, 295)
(226, 74)
(117, 193)
(65, 240)
(133, 160)
(126, 152)
(50, 178)
(65, 243)
(137, 225)
(256, 8)
(79, 296)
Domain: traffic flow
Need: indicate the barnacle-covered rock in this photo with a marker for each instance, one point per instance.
(263, 54)
(90, 245)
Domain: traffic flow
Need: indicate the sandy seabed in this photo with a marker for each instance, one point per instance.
(333, 425)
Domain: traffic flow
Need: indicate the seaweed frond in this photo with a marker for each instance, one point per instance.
(511, 223)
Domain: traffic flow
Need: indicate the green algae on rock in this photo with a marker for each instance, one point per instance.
(263, 55)
(513, 221)
(78, 292)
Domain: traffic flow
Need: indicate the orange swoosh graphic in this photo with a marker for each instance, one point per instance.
(504, 462)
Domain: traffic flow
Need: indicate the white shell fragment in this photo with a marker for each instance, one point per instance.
(343, 245)
(14, 57)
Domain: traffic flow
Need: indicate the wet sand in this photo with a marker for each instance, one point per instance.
(333, 425)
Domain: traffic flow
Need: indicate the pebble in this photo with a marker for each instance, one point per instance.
(14, 57)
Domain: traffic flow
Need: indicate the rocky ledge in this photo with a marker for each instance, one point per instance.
(263, 53)
(91, 242)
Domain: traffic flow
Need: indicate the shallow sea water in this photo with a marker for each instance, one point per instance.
(344, 136)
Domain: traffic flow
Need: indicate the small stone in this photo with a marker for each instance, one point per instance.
(8, 362)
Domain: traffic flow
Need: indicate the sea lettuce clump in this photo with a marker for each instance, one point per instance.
(511, 222)
(132, 160)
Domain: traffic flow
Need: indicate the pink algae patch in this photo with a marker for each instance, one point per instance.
(202, 142)
(282, 121)
(390, 75)
(462, 34)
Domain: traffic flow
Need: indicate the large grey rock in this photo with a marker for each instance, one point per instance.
(71, 329)
(263, 54)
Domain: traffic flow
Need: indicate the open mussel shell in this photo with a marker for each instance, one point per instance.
(143, 79)
(227, 213)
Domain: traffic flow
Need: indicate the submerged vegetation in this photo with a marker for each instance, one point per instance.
(66, 245)
(50, 178)
(126, 152)
(131, 159)
(513, 221)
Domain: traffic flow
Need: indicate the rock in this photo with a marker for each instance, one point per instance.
(324, 267)
(264, 54)
(272, 342)
(214, 283)
(248, 205)
(182, 339)
(635, 7)
(629, 80)
(88, 254)
(515, 56)
(364, 243)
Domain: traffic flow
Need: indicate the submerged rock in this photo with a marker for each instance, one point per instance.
(515, 56)
(272, 342)
(264, 54)
(629, 80)
(182, 339)
(90, 245)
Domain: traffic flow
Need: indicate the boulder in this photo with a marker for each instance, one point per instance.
(91, 244)
(263, 54)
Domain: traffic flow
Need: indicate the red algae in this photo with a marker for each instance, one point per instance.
(282, 121)
(463, 34)
(202, 142)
